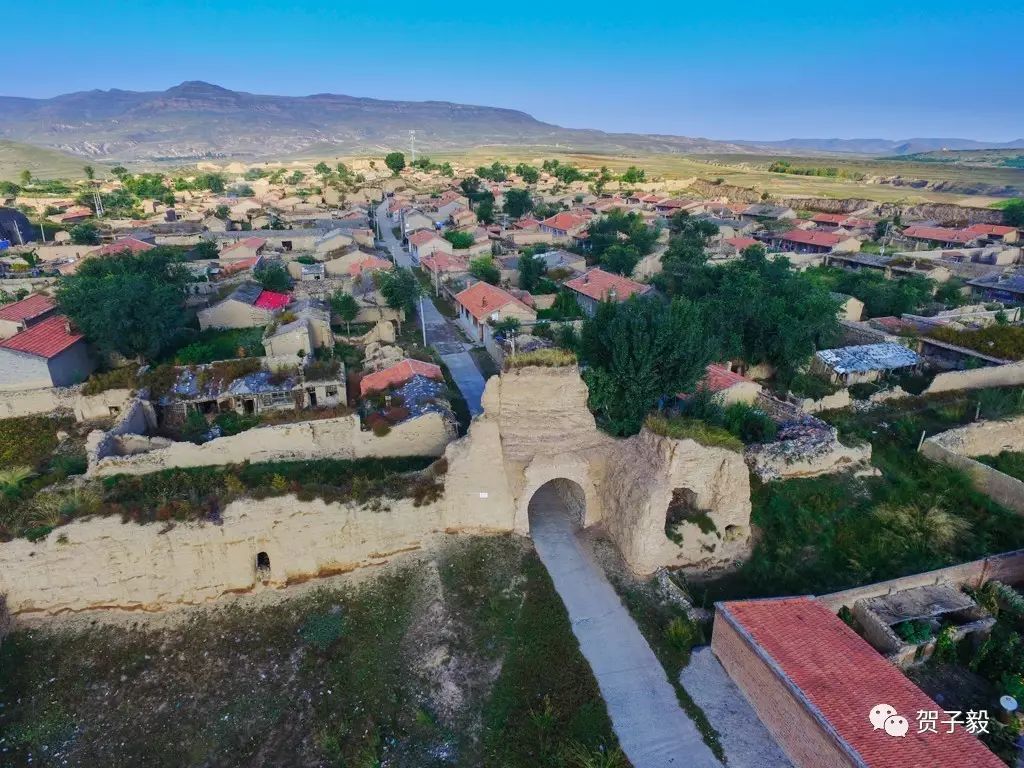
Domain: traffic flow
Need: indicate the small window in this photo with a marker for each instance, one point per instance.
(262, 561)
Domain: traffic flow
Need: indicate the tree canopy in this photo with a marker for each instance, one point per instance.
(485, 269)
(531, 270)
(527, 173)
(639, 351)
(395, 161)
(611, 228)
(518, 203)
(1013, 213)
(132, 304)
(273, 277)
(400, 289)
(85, 233)
(459, 239)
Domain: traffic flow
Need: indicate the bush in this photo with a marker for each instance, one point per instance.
(914, 632)
(749, 424)
(811, 386)
(118, 378)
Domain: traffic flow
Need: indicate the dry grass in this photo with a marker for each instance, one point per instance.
(541, 358)
(680, 428)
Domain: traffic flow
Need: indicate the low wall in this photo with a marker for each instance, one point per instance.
(30, 402)
(104, 563)
(338, 438)
(840, 399)
(994, 376)
(955, 448)
(1007, 567)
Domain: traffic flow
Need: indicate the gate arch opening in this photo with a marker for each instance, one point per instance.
(562, 498)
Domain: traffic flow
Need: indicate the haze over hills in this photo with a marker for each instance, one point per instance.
(196, 120)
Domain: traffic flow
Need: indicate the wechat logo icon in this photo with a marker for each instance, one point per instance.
(884, 717)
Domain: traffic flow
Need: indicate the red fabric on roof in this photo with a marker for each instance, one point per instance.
(843, 677)
(481, 299)
(124, 244)
(399, 373)
(271, 300)
(597, 284)
(47, 338)
(30, 307)
(823, 239)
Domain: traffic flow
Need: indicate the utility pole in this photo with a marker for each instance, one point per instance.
(423, 324)
(412, 145)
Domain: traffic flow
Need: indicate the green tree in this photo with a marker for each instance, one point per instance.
(296, 177)
(345, 306)
(638, 352)
(470, 186)
(485, 211)
(531, 270)
(132, 304)
(206, 249)
(459, 239)
(89, 171)
(446, 170)
(1013, 213)
(85, 233)
(119, 171)
(527, 173)
(322, 169)
(607, 230)
(620, 259)
(26, 178)
(517, 203)
(484, 268)
(395, 161)
(273, 277)
(400, 289)
(634, 175)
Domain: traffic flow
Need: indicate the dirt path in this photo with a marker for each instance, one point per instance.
(652, 729)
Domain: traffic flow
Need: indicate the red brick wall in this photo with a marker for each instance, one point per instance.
(795, 729)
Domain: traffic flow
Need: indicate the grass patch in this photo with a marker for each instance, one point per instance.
(542, 358)
(1008, 462)
(210, 345)
(200, 493)
(829, 533)
(29, 441)
(343, 675)
(681, 428)
(1002, 341)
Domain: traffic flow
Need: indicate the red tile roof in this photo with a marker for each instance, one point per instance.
(718, 378)
(47, 338)
(399, 373)
(28, 308)
(370, 264)
(423, 236)
(119, 246)
(481, 299)
(841, 678)
(526, 223)
(822, 239)
(829, 218)
(439, 261)
(240, 265)
(739, 243)
(564, 221)
(249, 242)
(272, 300)
(989, 229)
(941, 234)
(599, 285)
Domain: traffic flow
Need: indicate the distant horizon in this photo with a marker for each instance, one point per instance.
(756, 72)
(159, 89)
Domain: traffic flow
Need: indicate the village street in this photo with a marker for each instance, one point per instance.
(441, 333)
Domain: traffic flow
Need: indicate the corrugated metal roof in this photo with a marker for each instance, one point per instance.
(869, 357)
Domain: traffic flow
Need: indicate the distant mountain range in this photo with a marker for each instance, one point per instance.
(196, 120)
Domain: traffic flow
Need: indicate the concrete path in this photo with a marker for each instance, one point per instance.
(442, 334)
(747, 743)
(652, 729)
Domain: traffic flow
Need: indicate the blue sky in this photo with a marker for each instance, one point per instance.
(722, 70)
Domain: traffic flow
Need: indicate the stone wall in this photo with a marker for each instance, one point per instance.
(840, 399)
(30, 402)
(1007, 567)
(1008, 375)
(955, 448)
(104, 563)
(338, 438)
